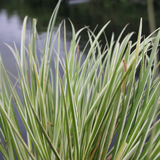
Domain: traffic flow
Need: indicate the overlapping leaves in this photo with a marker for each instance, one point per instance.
(77, 114)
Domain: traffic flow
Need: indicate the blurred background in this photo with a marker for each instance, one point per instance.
(81, 13)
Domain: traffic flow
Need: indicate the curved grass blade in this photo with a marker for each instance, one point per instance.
(72, 101)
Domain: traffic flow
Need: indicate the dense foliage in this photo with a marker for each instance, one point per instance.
(113, 94)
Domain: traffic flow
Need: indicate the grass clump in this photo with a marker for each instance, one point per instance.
(76, 115)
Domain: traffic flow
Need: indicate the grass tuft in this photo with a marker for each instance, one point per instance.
(77, 115)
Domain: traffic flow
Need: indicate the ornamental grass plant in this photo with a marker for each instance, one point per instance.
(77, 114)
